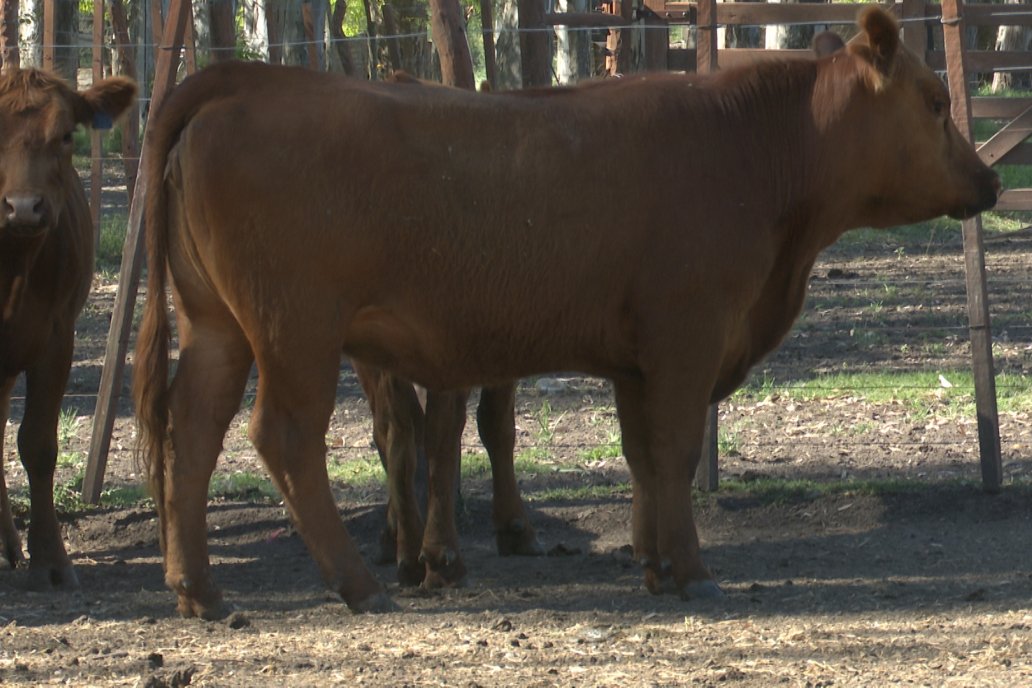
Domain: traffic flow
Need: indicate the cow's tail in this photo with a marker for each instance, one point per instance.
(151, 364)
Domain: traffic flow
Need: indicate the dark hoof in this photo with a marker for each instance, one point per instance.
(380, 603)
(518, 539)
(201, 601)
(410, 573)
(444, 571)
(46, 578)
(209, 611)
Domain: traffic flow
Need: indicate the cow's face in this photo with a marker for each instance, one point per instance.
(923, 167)
(38, 115)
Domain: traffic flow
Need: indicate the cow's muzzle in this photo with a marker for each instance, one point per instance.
(988, 187)
(24, 213)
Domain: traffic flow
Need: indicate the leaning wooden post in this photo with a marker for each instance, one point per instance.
(171, 46)
(707, 477)
(974, 263)
(96, 135)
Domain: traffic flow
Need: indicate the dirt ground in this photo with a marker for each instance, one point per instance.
(925, 583)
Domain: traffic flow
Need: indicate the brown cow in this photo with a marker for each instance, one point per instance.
(430, 555)
(456, 239)
(46, 266)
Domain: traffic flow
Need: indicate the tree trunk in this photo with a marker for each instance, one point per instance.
(507, 48)
(405, 22)
(535, 51)
(1013, 38)
(256, 30)
(340, 43)
(9, 54)
(573, 49)
(223, 30)
(449, 33)
(66, 49)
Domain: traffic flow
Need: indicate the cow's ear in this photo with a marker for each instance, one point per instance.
(827, 43)
(99, 105)
(877, 45)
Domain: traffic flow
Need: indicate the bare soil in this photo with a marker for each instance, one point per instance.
(925, 582)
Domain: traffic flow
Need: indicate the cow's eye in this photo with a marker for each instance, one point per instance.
(940, 106)
(66, 140)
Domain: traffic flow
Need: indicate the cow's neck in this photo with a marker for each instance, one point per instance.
(17, 257)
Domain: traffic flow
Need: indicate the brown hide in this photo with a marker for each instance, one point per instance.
(459, 239)
(46, 265)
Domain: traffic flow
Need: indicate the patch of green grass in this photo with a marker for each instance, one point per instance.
(609, 450)
(357, 472)
(579, 493)
(125, 496)
(251, 487)
(112, 240)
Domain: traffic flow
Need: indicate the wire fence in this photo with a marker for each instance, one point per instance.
(858, 333)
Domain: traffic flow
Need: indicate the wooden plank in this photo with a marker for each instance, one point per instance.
(974, 264)
(129, 276)
(706, 37)
(983, 60)
(49, 33)
(1003, 141)
(761, 14)
(97, 136)
(992, 107)
(126, 53)
(1015, 199)
(655, 38)
(734, 57)
(583, 19)
(1019, 155)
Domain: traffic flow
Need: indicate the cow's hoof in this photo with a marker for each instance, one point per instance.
(702, 590)
(446, 570)
(215, 610)
(47, 578)
(203, 601)
(518, 539)
(410, 573)
(378, 603)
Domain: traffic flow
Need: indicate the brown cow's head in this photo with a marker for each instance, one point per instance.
(38, 114)
(891, 104)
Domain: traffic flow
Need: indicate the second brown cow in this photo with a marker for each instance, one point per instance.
(459, 239)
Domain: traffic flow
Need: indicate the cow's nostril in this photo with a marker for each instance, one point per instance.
(23, 209)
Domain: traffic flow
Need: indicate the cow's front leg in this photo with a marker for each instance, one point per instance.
(662, 443)
(49, 565)
(513, 530)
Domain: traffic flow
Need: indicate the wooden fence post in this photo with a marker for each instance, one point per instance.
(132, 261)
(974, 263)
(96, 135)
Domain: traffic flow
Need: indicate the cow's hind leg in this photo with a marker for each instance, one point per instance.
(49, 565)
(663, 444)
(445, 420)
(495, 422)
(10, 544)
(214, 363)
(288, 427)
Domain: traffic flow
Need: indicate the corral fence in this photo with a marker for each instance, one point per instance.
(159, 42)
